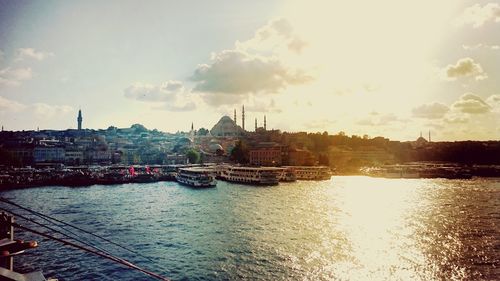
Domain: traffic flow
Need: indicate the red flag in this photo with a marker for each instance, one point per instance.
(131, 170)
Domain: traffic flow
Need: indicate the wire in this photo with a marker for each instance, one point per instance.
(56, 231)
(104, 255)
(46, 217)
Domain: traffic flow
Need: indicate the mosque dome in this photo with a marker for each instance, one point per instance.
(214, 147)
(226, 127)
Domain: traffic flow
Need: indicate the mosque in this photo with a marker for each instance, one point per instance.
(227, 127)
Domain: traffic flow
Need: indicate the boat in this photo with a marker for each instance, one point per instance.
(310, 172)
(144, 178)
(196, 177)
(251, 175)
(288, 175)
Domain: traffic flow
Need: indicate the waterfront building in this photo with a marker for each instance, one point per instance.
(73, 156)
(46, 153)
(176, 159)
(266, 154)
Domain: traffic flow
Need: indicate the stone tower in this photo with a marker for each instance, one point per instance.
(79, 119)
(242, 118)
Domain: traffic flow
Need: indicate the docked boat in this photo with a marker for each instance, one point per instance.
(196, 177)
(310, 172)
(252, 175)
(144, 178)
(288, 175)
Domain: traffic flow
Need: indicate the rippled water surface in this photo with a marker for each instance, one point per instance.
(348, 228)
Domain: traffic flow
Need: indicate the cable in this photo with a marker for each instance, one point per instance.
(56, 231)
(73, 226)
(110, 257)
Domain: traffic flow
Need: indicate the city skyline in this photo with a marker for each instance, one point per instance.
(383, 69)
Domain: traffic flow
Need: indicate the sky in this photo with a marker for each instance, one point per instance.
(387, 68)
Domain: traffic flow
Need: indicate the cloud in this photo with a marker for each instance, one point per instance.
(152, 93)
(472, 104)
(430, 111)
(30, 53)
(40, 110)
(465, 67)
(262, 106)
(320, 124)
(277, 36)
(49, 111)
(456, 120)
(481, 46)
(378, 119)
(238, 72)
(172, 95)
(478, 15)
(14, 76)
(7, 105)
(494, 102)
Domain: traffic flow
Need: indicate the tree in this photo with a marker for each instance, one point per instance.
(240, 153)
(202, 132)
(8, 158)
(193, 156)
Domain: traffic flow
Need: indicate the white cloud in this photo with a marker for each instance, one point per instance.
(472, 104)
(319, 124)
(14, 76)
(478, 15)
(30, 53)
(277, 37)
(430, 111)
(262, 106)
(7, 105)
(171, 94)
(464, 67)
(239, 73)
(50, 111)
(39, 110)
(494, 102)
(380, 119)
(481, 46)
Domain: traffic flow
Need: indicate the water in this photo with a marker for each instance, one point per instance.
(348, 228)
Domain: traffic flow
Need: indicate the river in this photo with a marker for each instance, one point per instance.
(347, 228)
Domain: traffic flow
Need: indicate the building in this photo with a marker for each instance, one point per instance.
(300, 157)
(266, 154)
(46, 153)
(226, 127)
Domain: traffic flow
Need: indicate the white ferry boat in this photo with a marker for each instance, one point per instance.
(288, 175)
(196, 177)
(310, 172)
(251, 175)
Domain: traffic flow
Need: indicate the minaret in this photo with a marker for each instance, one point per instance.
(265, 125)
(429, 135)
(79, 119)
(256, 124)
(192, 126)
(236, 122)
(243, 118)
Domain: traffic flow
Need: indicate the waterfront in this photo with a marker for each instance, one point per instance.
(348, 228)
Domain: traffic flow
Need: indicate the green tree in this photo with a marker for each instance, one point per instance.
(8, 158)
(240, 153)
(202, 132)
(193, 156)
